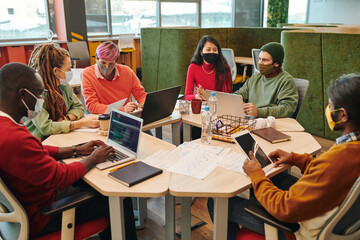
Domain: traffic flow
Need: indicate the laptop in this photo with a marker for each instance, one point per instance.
(158, 104)
(228, 103)
(124, 137)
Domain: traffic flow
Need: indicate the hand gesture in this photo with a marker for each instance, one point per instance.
(91, 122)
(250, 109)
(130, 107)
(279, 156)
(89, 147)
(251, 165)
(200, 92)
(101, 153)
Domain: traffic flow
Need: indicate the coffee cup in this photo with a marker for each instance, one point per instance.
(104, 120)
(196, 106)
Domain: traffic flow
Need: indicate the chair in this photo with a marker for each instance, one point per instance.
(255, 56)
(343, 224)
(228, 54)
(302, 87)
(79, 53)
(126, 45)
(14, 223)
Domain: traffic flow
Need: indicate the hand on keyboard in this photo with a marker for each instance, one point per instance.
(89, 147)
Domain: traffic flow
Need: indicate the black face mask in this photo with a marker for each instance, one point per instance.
(210, 57)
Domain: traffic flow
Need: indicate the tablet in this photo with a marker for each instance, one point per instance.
(247, 143)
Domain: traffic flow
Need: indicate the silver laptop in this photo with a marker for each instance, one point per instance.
(124, 137)
(228, 103)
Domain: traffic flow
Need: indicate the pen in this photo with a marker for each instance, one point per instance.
(124, 165)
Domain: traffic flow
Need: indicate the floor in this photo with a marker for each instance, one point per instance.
(154, 224)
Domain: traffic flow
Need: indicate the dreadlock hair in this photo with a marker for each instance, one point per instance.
(44, 59)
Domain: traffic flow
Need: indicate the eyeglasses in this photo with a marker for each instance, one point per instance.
(41, 93)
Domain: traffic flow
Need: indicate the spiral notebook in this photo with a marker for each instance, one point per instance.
(135, 173)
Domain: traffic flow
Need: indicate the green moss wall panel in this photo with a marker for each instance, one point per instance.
(303, 59)
(177, 46)
(341, 55)
(220, 34)
(150, 53)
(242, 40)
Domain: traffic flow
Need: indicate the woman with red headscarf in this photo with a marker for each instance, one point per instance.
(107, 82)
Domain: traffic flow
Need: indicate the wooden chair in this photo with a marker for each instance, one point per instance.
(14, 222)
(343, 224)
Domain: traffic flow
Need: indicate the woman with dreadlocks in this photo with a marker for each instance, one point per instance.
(62, 111)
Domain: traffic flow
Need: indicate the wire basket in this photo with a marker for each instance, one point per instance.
(224, 126)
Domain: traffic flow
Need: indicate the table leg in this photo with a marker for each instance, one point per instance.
(116, 206)
(175, 127)
(186, 132)
(170, 217)
(158, 132)
(220, 218)
(185, 217)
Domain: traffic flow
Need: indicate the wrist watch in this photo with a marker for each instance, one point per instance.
(75, 154)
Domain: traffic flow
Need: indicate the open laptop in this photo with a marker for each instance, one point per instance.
(158, 104)
(228, 103)
(124, 137)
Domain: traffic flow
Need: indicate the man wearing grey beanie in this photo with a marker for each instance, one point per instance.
(272, 92)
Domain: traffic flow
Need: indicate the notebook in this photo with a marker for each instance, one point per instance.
(124, 137)
(158, 104)
(247, 143)
(272, 135)
(135, 173)
(228, 104)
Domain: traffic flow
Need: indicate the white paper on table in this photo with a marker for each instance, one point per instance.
(116, 105)
(86, 129)
(162, 159)
(198, 164)
(189, 147)
(233, 161)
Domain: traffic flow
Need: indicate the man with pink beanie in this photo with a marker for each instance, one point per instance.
(107, 82)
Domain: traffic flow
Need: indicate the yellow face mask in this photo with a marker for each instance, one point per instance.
(329, 118)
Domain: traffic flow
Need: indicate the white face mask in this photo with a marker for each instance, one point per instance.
(38, 106)
(68, 77)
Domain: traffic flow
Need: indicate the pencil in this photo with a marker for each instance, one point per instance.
(123, 165)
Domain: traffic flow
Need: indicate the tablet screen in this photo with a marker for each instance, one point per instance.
(248, 143)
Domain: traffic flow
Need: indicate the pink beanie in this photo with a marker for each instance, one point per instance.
(107, 51)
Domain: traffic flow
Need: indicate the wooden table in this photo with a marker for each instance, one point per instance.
(222, 183)
(154, 187)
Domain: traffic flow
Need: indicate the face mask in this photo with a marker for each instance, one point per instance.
(266, 69)
(210, 57)
(329, 118)
(106, 71)
(38, 106)
(68, 77)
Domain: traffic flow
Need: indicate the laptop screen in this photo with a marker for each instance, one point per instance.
(125, 130)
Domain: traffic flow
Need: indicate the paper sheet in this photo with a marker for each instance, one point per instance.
(86, 129)
(116, 105)
(162, 159)
(233, 161)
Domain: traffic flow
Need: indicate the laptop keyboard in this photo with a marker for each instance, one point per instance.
(118, 156)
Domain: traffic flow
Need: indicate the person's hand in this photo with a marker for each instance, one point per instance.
(130, 107)
(251, 165)
(250, 109)
(279, 156)
(91, 122)
(101, 153)
(200, 92)
(71, 116)
(89, 147)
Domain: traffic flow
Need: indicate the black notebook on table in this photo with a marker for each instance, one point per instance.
(135, 173)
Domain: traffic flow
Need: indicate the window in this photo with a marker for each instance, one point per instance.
(174, 14)
(297, 11)
(129, 16)
(96, 17)
(216, 13)
(23, 20)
